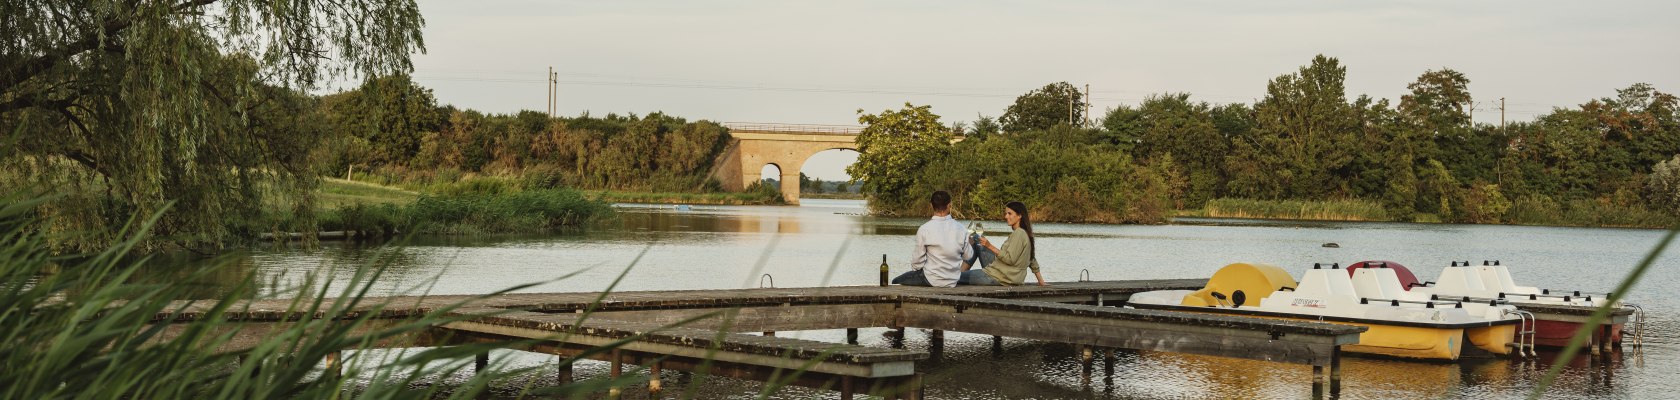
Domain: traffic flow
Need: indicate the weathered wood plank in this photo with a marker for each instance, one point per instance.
(1131, 334)
(408, 306)
(565, 327)
(713, 367)
(771, 318)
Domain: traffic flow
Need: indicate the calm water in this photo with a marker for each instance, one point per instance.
(830, 242)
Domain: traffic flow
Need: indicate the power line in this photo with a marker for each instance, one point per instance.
(749, 88)
(554, 81)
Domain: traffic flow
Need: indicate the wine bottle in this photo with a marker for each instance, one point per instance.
(883, 270)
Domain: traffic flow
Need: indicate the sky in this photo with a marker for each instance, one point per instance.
(821, 62)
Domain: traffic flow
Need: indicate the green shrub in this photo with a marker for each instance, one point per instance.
(1535, 209)
(1481, 204)
(525, 211)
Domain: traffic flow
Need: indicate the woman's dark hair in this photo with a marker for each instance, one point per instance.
(1026, 225)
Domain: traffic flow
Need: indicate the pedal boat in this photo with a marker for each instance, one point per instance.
(1558, 313)
(1401, 328)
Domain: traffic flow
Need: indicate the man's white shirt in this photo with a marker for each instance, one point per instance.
(941, 246)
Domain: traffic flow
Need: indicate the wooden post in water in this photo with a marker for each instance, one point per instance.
(564, 375)
(1606, 330)
(846, 388)
(617, 370)
(654, 387)
(334, 363)
(912, 389)
(936, 344)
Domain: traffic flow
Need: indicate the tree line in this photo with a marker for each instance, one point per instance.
(1306, 139)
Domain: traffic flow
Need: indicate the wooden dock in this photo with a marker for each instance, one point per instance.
(731, 332)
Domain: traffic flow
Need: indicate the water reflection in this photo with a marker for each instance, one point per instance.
(720, 247)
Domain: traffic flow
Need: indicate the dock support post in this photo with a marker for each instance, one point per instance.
(912, 387)
(564, 375)
(1086, 357)
(335, 363)
(1606, 330)
(1336, 365)
(654, 385)
(1592, 344)
(851, 335)
(846, 388)
(481, 362)
(617, 370)
(936, 345)
(1108, 371)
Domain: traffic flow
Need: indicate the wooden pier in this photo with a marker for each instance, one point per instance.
(732, 332)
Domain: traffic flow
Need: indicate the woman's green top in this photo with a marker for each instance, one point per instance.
(1013, 260)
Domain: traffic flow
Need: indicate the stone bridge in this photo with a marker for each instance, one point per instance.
(787, 146)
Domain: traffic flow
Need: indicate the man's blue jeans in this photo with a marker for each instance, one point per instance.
(914, 277)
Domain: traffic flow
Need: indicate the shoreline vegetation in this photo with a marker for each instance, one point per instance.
(415, 166)
(369, 211)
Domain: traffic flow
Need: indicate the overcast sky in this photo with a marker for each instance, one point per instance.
(819, 62)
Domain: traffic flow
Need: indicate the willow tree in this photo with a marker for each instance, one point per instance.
(127, 106)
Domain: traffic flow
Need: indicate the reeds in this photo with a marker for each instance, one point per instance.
(1317, 210)
(77, 326)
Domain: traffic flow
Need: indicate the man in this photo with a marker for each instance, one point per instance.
(941, 247)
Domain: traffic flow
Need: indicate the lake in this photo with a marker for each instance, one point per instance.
(833, 242)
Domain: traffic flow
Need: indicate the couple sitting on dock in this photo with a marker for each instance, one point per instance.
(946, 253)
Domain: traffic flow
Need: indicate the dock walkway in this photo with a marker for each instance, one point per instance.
(731, 332)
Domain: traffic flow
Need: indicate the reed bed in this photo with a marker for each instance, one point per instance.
(1317, 210)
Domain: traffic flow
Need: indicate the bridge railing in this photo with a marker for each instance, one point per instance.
(793, 128)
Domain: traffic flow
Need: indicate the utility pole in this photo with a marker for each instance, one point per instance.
(1087, 105)
(1501, 114)
(1471, 113)
(1070, 106)
(550, 91)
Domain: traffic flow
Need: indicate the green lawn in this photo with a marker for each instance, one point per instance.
(337, 193)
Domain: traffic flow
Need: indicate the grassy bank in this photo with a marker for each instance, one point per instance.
(1525, 211)
(1326, 210)
(835, 196)
(1543, 211)
(468, 207)
(337, 193)
(684, 198)
(529, 211)
(757, 194)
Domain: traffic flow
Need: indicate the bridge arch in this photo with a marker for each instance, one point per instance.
(787, 146)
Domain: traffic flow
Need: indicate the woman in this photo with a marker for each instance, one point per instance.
(1014, 259)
